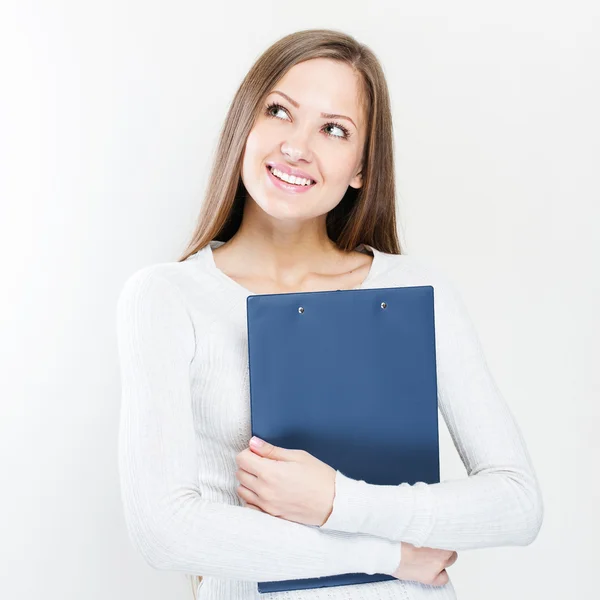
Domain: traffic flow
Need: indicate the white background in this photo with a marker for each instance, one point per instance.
(109, 115)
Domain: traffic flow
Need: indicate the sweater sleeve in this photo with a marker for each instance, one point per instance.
(168, 520)
(499, 503)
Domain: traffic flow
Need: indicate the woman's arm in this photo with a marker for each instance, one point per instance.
(500, 502)
(168, 521)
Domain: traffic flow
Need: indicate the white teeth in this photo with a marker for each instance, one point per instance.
(290, 178)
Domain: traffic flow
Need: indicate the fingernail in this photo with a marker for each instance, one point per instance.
(256, 442)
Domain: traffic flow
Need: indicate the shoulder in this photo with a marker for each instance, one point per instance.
(153, 320)
(159, 286)
(416, 270)
(152, 312)
(153, 276)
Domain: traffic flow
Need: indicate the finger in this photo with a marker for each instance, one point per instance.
(252, 506)
(441, 579)
(249, 496)
(247, 479)
(270, 451)
(453, 558)
(251, 462)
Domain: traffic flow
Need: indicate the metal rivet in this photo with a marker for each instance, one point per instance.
(301, 310)
(383, 305)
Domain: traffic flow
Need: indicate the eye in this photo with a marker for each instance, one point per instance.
(345, 132)
(273, 108)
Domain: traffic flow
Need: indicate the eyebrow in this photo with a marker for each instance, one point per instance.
(324, 115)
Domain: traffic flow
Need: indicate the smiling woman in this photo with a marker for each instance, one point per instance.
(301, 197)
(311, 120)
(321, 151)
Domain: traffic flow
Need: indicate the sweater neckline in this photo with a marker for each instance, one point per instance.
(213, 244)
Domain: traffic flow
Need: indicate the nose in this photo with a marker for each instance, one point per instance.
(293, 153)
(297, 146)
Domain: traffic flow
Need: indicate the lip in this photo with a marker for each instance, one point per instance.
(287, 187)
(291, 171)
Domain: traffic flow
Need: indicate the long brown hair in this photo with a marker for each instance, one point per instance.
(364, 215)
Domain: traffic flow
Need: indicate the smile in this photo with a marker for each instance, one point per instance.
(288, 186)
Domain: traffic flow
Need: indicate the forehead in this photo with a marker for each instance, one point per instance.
(324, 85)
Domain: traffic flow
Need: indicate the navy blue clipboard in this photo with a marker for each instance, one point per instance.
(350, 377)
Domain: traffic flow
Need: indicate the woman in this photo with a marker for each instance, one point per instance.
(301, 198)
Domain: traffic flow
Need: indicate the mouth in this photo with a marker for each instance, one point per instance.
(303, 185)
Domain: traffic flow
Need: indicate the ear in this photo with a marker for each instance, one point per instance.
(357, 180)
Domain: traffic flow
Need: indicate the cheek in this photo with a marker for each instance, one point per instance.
(338, 168)
(251, 156)
(252, 141)
(257, 149)
(260, 139)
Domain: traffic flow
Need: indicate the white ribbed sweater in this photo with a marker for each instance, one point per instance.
(185, 415)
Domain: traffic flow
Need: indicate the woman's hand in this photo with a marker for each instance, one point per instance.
(296, 486)
(290, 484)
(425, 565)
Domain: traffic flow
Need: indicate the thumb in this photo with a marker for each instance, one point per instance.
(267, 450)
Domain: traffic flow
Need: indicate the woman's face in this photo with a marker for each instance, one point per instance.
(295, 134)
